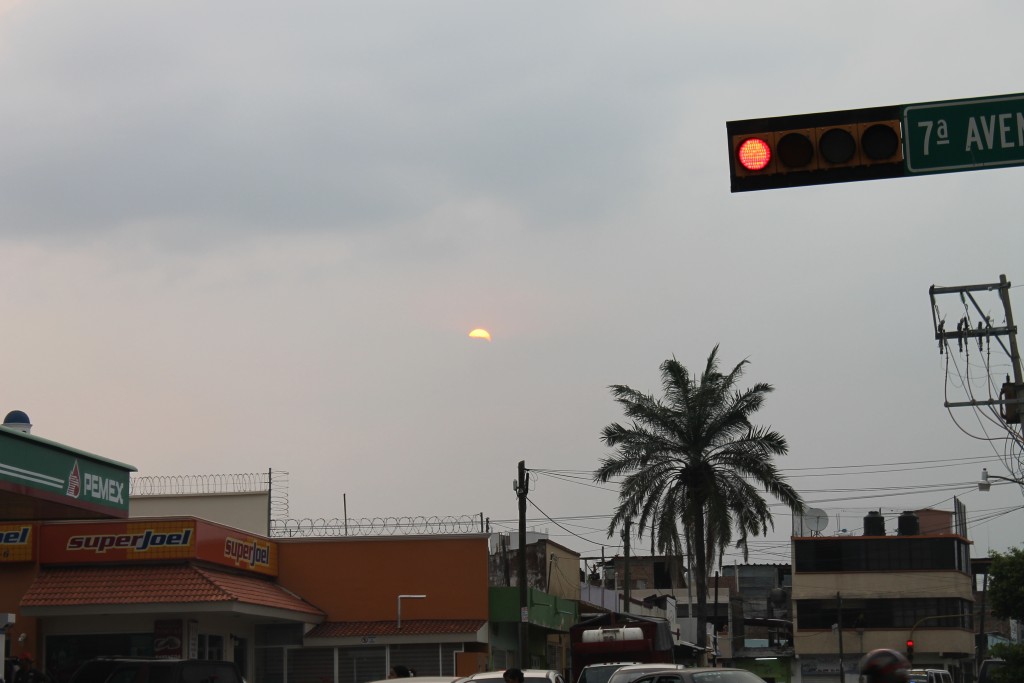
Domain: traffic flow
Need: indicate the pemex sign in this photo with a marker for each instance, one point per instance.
(54, 474)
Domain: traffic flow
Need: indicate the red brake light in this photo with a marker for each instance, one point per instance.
(754, 154)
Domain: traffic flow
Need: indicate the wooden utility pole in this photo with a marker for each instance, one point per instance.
(1012, 394)
(522, 488)
(626, 578)
(839, 631)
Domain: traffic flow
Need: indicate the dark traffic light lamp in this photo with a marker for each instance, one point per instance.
(814, 149)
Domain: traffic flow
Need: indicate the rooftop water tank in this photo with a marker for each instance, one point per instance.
(874, 524)
(908, 524)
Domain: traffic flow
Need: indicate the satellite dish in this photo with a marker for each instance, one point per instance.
(815, 519)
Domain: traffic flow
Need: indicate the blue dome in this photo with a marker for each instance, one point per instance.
(17, 417)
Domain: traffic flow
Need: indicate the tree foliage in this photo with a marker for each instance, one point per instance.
(693, 459)
(1006, 584)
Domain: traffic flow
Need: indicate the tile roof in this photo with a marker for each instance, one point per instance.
(412, 627)
(156, 584)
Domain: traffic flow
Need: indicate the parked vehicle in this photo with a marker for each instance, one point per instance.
(153, 670)
(645, 641)
(529, 676)
(929, 676)
(628, 674)
(702, 675)
(599, 673)
(988, 668)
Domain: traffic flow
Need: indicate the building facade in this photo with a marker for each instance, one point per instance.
(857, 592)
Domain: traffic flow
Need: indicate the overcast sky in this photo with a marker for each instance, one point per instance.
(250, 235)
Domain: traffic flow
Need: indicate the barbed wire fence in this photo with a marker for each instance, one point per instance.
(379, 526)
(275, 483)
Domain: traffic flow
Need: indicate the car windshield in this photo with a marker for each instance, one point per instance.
(598, 674)
(627, 675)
(726, 677)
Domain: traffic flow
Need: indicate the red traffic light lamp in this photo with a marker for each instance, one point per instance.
(754, 154)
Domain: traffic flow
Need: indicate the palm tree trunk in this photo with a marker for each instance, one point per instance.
(701, 583)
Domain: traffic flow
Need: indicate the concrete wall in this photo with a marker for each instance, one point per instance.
(917, 584)
(244, 511)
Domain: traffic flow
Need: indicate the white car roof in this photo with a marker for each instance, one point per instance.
(528, 673)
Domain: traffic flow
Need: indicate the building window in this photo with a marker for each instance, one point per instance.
(895, 553)
(211, 647)
(902, 613)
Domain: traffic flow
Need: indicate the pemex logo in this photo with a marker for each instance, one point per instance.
(74, 482)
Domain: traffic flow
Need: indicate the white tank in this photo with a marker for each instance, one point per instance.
(601, 635)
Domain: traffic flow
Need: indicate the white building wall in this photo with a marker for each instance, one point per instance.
(245, 511)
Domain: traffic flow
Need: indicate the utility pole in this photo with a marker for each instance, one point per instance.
(626, 578)
(522, 488)
(1012, 394)
(839, 630)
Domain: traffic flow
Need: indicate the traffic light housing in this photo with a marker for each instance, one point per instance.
(814, 149)
(910, 650)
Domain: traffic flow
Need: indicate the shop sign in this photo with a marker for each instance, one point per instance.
(168, 637)
(117, 541)
(236, 549)
(16, 542)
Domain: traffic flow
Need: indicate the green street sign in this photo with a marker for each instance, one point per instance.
(964, 135)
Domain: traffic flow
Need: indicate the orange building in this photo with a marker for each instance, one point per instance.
(81, 578)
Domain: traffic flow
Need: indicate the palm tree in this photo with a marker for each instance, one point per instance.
(693, 458)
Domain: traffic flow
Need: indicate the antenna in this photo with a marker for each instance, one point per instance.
(813, 520)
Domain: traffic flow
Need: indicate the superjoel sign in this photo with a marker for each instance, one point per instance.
(964, 135)
(117, 541)
(138, 542)
(143, 540)
(16, 542)
(248, 552)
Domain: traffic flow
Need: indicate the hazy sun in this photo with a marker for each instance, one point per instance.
(480, 333)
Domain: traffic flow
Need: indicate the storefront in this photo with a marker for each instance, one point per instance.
(175, 587)
(44, 480)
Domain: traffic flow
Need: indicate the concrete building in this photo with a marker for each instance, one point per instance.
(855, 591)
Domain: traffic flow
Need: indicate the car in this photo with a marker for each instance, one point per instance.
(929, 676)
(702, 675)
(631, 672)
(988, 669)
(529, 676)
(155, 670)
(599, 673)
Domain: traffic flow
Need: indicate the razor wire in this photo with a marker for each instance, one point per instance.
(379, 526)
(165, 485)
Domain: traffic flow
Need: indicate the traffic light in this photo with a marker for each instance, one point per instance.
(813, 149)
(910, 650)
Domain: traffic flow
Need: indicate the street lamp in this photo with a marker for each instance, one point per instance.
(984, 484)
